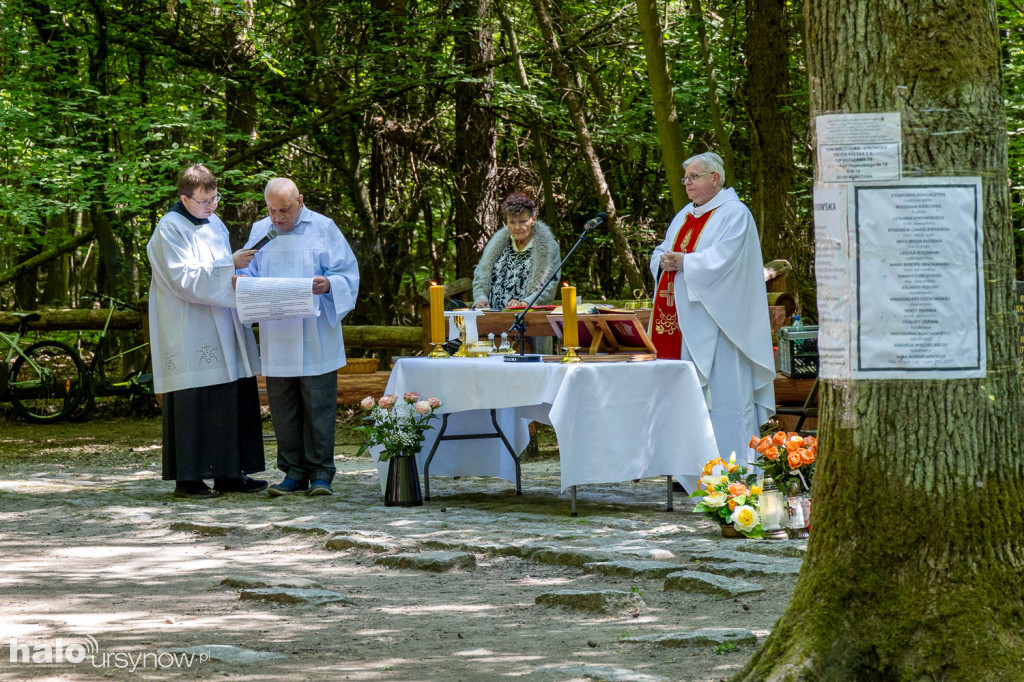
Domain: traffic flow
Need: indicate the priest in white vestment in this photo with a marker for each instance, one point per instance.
(711, 306)
(204, 360)
(301, 356)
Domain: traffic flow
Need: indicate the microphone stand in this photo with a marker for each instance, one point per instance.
(519, 322)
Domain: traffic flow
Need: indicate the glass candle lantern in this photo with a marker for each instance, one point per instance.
(772, 506)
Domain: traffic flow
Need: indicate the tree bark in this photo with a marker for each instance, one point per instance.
(539, 155)
(914, 562)
(771, 134)
(475, 164)
(714, 106)
(572, 103)
(672, 152)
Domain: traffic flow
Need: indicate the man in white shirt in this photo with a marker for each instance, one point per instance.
(300, 357)
(711, 307)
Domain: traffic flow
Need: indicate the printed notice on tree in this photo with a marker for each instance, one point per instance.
(858, 147)
(832, 272)
(273, 298)
(919, 309)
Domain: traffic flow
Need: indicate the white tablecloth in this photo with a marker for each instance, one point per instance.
(615, 421)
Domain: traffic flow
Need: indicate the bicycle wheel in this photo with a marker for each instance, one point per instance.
(50, 386)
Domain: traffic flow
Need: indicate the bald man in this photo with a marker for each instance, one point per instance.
(300, 357)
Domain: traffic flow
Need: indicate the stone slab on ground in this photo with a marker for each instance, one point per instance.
(697, 638)
(596, 601)
(710, 583)
(601, 673)
(310, 527)
(522, 549)
(373, 544)
(436, 562)
(779, 568)
(205, 528)
(232, 655)
(252, 581)
(294, 595)
(743, 556)
(627, 568)
(573, 557)
(795, 549)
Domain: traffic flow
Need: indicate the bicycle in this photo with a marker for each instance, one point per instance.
(97, 383)
(44, 382)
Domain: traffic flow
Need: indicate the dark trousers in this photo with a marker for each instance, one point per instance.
(303, 411)
(212, 432)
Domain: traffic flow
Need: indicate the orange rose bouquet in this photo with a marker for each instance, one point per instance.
(788, 459)
(730, 496)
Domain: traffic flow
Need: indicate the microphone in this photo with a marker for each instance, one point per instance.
(598, 220)
(266, 240)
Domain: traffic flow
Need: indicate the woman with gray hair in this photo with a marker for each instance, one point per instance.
(518, 261)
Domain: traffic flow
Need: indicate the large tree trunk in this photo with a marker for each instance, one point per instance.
(539, 155)
(714, 105)
(771, 134)
(475, 166)
(913, 569)
(579, 121)
(672, 152)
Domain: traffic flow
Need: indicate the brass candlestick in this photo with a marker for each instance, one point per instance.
(570, 356)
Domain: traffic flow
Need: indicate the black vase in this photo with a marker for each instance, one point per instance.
(403, 485)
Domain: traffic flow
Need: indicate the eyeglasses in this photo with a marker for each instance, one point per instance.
(208, 202)
(695, 176)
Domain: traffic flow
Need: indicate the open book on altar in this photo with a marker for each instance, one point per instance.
(608, 333)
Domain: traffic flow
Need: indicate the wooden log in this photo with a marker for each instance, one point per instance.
(775, 274)
(351, 387)
(784, 299)
(356, 336)
(370, 337)
(76, 318)
(791, 391)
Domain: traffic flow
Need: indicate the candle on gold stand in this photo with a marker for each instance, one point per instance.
(570, 331)
(437, 336)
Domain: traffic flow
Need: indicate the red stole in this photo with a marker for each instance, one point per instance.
(665, 333)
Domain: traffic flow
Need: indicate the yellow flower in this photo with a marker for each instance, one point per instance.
(745, 518)
(723, 479)
(756, 490)
(715, 499)
(708, 481)
(731, 466)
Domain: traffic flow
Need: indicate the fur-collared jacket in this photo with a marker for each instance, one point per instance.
(544, 255)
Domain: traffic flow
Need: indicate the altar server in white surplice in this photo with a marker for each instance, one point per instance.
(301, 356)
(204, 359)
(711, 307)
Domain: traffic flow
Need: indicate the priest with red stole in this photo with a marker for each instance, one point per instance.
(711, 307)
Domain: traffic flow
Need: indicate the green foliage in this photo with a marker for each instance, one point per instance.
(102, 104)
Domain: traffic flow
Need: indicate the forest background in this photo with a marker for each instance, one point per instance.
(407, 122)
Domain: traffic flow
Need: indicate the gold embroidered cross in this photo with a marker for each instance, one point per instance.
(668, 295)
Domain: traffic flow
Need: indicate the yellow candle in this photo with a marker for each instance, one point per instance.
(570, 333)
(436, 313)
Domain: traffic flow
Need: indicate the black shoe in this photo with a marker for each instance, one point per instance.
(243, 484)
(193, 489)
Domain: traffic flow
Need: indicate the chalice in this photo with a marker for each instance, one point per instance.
(460, 324)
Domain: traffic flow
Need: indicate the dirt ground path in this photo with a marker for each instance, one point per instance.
(92, 545)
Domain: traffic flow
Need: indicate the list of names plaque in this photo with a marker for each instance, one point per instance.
(920, 297)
